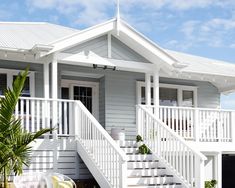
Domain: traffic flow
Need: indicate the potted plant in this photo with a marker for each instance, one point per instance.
(14, 140)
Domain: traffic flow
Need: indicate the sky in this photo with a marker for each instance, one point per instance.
(201, 27)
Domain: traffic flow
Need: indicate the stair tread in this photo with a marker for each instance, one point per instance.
(164, 184)
(143, 161)
(164, 175)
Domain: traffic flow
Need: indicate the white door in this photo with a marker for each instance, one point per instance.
(86, 92)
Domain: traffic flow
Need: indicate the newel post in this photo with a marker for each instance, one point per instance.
(123, 173)
(199, 172)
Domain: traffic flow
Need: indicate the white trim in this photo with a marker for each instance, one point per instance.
(82, 60)
(109, 45)
(81, 74)
(95, 92)
(179, 88)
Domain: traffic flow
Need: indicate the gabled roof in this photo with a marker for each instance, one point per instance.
(123, 32)
(25, 35)
(49, 38)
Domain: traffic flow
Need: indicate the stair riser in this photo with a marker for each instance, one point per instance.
(139, 157)
(131, 150)
(131, 165)
(149, 180)
(128, 143)
(146, 172)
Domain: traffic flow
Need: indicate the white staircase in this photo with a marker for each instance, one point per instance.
(173, 163)
(145, 170)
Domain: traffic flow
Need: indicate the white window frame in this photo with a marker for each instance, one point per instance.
(95, 92)
(180, 89)
(12, 72)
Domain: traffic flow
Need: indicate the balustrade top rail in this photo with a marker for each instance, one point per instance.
(198, 124)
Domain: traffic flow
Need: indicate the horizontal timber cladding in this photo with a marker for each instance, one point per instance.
(58, 156)
(100, 47)
(117, 96)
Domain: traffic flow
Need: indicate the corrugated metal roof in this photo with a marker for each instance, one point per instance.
(24, 35)
(197, 64)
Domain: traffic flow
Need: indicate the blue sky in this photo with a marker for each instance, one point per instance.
(200, 27)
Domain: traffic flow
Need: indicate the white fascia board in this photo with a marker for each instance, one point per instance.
(82, 36)
(146, 43)
(208, 74)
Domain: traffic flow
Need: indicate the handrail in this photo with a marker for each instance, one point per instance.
(193, 108)
(199, 154)
(107, 157)
(181, 158)
(120, 152)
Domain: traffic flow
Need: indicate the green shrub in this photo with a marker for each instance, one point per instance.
(143, 149)
(210, 184)
(139, 138)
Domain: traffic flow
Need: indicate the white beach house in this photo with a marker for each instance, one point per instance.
(87, 82)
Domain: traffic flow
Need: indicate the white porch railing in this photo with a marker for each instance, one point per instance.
(198, 124)
(37, 113)
(103, 150)
(171, 148)
(71, 118)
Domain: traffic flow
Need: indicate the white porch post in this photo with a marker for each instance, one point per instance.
(147, 89)
(54, 67)
(46, 80)
(156, 92)
(218, 169)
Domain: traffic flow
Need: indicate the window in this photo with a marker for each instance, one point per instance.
(188, 99)
(170, 95)
(3, 83)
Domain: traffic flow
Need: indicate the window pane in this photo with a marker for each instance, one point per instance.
(188, 99)
(3, 83)
(65, 93)
(84, 94)
(142, 95)
(168, 97)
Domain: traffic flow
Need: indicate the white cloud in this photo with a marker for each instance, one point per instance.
(89, 12)
(232, 45)
(79, 11)
(214, 32)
